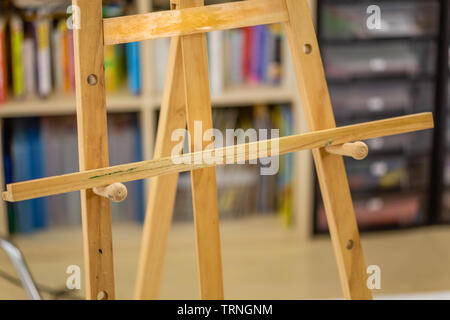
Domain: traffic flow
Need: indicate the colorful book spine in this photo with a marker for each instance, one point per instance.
(133, 67)
(70, 61)
(111, 68)
(255, 55)
(29, 66)
(16, 29)
(57, 59)
(216, 58)
(3, 67)
(37, 170)
(246, 62)
(21, 171)
(235, 50)
(162, 48)
(44, 71)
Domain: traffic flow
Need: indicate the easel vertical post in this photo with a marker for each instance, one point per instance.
(330, 168)
(162, 189)
(203, 181)
(93, 147)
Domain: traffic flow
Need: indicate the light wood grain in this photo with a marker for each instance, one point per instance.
(145, 169)
(203, 181)
(4, 221)
(93, 148)
(162, 189)
(193, 20)
(357, 150)
(330, 168)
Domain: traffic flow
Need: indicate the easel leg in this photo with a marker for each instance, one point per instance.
(162, 189)
(93, 148)
(204, 188)
(330, 168)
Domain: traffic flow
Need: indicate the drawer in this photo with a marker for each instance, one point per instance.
(374, 97)
(398, 19)
(387, 173)
(379, 59)
(413, 143)
(375, 212)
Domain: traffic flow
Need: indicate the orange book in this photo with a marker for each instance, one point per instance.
(64, 55)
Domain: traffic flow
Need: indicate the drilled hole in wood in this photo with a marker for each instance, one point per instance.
(101, 251)
(349, 244)
(307, 48)
(92, 79)
(102, 295)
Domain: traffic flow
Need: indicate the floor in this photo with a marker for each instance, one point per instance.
(261, 259)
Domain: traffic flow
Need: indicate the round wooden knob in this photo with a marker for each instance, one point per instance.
(357, 150)
(116, 192)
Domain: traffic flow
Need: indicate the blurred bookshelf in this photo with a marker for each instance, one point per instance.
(133, 102)
(377, 73)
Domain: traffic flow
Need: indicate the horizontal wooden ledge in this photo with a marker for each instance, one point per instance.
(193, 20)
(146, 169)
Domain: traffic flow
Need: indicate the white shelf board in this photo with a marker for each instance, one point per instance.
(60, 104)
(246, 96)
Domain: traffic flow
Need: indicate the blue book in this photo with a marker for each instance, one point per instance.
(263, 54)
(21, 171)
(133, 67)
(140, 214)
(12, 220)
(37, 170)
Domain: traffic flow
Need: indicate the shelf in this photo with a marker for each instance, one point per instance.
(245, 96)
(60, 104)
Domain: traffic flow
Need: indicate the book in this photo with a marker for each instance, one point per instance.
(235, 50)
(134, 67)
(216, 58)
(255, 55)
(162, 48)
(37, 170)
(29, 67)
(21, 171)
(17, 34)
(43, 56)
(70, 60)
(3, 66)
(57, 58)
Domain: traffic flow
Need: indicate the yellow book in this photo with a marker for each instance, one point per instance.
(16, 25)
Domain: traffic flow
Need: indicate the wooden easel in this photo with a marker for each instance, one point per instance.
(186, 99)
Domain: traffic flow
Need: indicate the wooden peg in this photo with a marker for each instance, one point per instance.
(116, 192)
(357, 150)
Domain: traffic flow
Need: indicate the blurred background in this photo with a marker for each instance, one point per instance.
(274, 232)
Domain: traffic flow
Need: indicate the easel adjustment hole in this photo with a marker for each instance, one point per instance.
(102, 295)
(307, 48)
(349, 244)
(92, 79)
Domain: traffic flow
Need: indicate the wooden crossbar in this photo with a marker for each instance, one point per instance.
(193, 20)
(229, 155)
